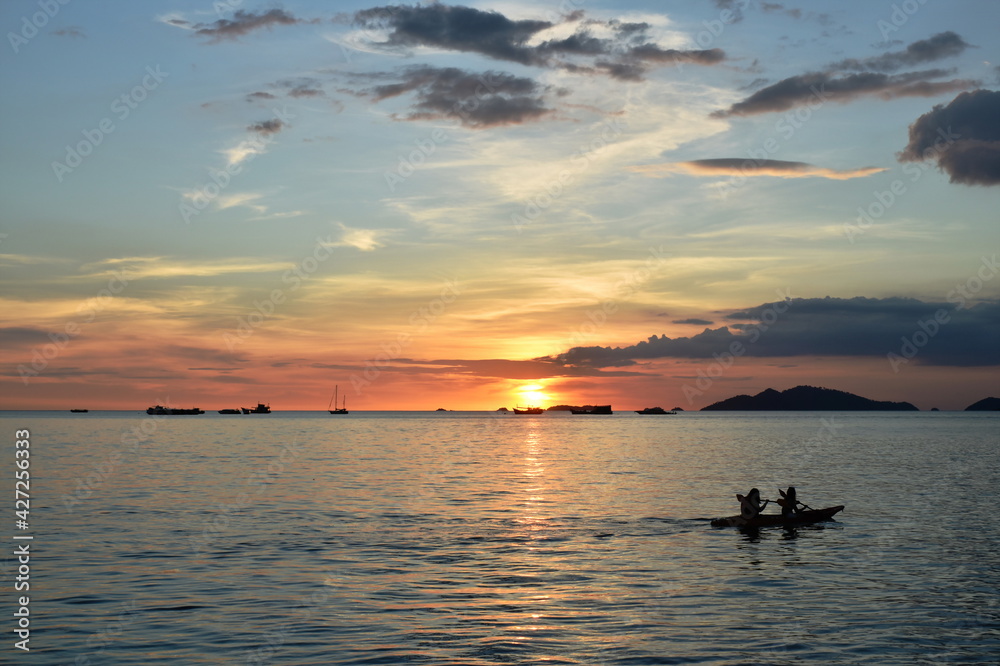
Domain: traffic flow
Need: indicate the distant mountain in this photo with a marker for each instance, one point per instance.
(806, 398)
(985, 405)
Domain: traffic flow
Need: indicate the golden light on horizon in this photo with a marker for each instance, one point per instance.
(533, 394)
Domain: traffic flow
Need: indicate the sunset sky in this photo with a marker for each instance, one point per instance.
(496, 203)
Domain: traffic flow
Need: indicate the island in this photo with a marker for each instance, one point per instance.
(807, 398)
(985, 405)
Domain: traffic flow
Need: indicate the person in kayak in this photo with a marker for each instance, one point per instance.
(750, 506)
(789, 503)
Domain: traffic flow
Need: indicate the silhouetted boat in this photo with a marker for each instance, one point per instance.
(528, 410)
(596, 409)
(801, 518)
(160, 410)
(653, 410)
(79, 411)
(261, 408)
(332, 407)
(230, 411)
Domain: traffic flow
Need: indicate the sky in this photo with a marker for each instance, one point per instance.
(469, 206)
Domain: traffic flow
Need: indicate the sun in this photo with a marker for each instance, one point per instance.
(533, 394)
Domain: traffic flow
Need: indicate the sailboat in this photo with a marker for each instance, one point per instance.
(334, 403)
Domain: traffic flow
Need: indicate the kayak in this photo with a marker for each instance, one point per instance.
(800, 518)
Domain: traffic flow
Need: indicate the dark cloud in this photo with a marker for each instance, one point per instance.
(818, 87)
(305, 91)
(507, 369)
(777, 7)
(734, 6)
(854, 78)
(16, 336)
(695, 322)
(476, 100)
(455, 28)
(962, 136)
(625, 54)
(267, 127)
(255, 96)
(941, 45)
(862, 327)
(244, 22)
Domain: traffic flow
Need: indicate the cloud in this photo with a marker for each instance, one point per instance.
(476, 100)
(853, 78)
(266, 127)
(615, 48)
(259, 95)
(365, 240)
(70, 31)
(242, 23)
(820, 87)
(941, 45)
(962, 136)
(736, 166)
(860, 327)
(455, 28)
(22, 336)
(695, 322)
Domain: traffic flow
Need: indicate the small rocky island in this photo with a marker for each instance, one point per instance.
(807, 398)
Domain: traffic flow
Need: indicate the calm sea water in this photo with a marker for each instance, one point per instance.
(476, 538)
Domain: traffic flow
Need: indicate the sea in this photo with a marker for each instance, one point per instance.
(481, 538)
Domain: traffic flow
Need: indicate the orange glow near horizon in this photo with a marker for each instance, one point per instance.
(533, 394)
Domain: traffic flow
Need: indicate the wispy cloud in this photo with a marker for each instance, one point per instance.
(242, 23)
(365, 240)
(735, 166)
(168, 267)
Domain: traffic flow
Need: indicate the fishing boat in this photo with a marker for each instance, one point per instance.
(801, 518)
(261, 408)
(332, 407)
(528, 410)
(593, 409)
(230, 411)
(160, 410)
(653, 410)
